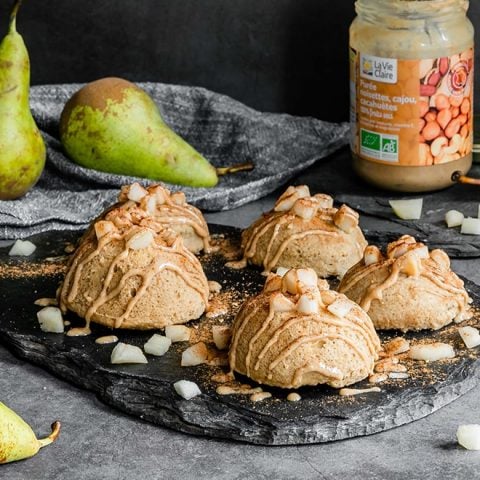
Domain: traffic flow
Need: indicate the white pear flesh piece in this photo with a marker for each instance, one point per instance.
(340, 307)
(407, 209)
(470, 336)
(307, 304)
(126, 353)
(468, 436)
(454, 218)
(431, 352)
(194, 355)
(140, 240)
(157, 345)
(221, 336)
(136, 192)
(22, 248)
(470, 226)
(280, 303)
(281, 271)
(178, 333)
(187, 389)
(308, 277)
(102, 227)
(50, 319)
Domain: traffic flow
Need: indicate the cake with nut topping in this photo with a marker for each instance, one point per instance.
(298, 332)
(305, 230)
(408, 288)
(170, 209)
(129, 271)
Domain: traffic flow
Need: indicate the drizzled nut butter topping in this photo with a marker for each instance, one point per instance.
(408, 288)
(169, 209)
(126, 271)
(303, 229)
(298, 332)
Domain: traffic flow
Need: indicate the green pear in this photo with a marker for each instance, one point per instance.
(22, 150)
(17, 440)
(114, 126)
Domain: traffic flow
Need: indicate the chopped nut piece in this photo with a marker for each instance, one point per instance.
(397, 345)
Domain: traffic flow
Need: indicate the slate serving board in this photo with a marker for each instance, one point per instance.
(146, 391)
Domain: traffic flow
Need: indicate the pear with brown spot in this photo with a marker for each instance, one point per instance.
(114, 126)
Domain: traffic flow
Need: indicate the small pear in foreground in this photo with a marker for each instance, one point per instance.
(113, 126)
(22, 150)
(17, 440)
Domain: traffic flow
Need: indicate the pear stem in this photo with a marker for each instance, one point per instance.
(52, 437)
(13, 16)
(239, 167)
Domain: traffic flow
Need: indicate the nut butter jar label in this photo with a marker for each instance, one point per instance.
(411, 112)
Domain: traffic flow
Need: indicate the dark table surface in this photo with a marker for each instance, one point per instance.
(100, 442)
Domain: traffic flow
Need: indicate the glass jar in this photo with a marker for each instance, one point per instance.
(411, 87)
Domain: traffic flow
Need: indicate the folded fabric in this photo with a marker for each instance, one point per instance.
(68, 196)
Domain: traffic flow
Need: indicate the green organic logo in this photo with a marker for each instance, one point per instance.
(389, 145)
(371, 140)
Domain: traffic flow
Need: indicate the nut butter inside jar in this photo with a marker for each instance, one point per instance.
(411, 87)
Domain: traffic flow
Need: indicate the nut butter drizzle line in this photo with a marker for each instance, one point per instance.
(363, 272)
(375, 292)
(368, 336)
(265, 324)
(283, 245)
(79, 264)
(311, 339)
(154, 268)
(272, 239)
(237, 334)
(455, 291)
(315, 368)
(197, 222)
(257, 232)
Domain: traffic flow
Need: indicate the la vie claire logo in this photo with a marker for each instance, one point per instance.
(378, 68)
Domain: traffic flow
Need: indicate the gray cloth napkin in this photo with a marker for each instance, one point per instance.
(68, 197)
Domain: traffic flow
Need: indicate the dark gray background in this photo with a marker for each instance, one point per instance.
(274, 55)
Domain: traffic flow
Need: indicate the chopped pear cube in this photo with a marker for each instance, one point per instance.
(407, 209)
(221, 336)
(454, 218)
(187, 389)
(194, 355)
(177, 333)
(470, 336)
(22, 248)
(157, 345)
(431, 352)
(50, 319)
(470, 226)
(468, 436)
(126, 353)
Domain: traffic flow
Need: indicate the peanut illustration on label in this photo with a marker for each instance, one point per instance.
(445, 123)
